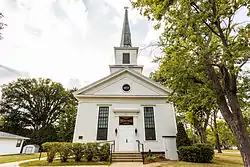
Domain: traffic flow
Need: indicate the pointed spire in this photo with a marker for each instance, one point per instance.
(126, 36)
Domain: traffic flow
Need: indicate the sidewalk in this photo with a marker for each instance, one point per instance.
(116, 164)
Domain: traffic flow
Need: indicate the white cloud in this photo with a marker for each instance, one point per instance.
(68, 40)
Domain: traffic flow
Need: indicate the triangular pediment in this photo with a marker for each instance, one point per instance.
(112, 85)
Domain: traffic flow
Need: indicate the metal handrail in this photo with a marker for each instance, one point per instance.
(141, 145)
(111, 150)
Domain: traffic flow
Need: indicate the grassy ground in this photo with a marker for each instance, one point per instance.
(18, 157)
(59, 163)
(224, 160)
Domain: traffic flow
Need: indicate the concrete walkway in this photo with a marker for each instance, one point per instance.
(115, 164)
(133, 164)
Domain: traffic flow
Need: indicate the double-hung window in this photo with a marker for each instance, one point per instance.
(102, 127)
(149, 123)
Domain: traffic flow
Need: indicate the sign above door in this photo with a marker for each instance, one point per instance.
(126, 121)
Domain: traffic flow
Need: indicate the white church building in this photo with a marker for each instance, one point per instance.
(127, 107)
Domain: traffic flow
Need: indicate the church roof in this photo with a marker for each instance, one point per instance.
(11, 136)
(126, 35)
(120, 72)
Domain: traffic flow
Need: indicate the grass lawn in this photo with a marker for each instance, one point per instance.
(59, 163)
(224, 159)
(19, 157)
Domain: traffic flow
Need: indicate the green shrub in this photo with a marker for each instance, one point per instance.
(91, 151)
(51, 148)
(160, 157)
(151, 158)
(104, 152)
(78, 150)
(207, 152)
(182, 137)
(200, 153)
(65, 150)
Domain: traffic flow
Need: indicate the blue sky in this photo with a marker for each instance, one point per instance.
(70, 41)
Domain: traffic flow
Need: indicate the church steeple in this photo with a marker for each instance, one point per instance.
(126, 35)
(126, 55)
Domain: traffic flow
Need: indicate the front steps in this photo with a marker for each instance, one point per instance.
(126, 157)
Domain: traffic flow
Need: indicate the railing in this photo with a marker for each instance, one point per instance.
(112, 146)
(141, 145)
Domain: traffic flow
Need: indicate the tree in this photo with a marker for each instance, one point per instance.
(214, 128)
(203, 35)
(32, 107)
(66, 123)
(182, 137)
(226, 137)
(191, 94)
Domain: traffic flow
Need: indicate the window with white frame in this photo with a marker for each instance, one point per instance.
(102, 127)
(149, 123)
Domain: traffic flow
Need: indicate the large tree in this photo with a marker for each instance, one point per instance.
(203, 35)
(32, 107)
(66, 122)
(191, 93)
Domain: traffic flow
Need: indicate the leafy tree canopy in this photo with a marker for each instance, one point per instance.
(34, 106)
(203, 41)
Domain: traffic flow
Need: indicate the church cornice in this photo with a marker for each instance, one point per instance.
(120, 72)
(123, 96)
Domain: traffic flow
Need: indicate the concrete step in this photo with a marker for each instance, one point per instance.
(127, 160)
(126, 157)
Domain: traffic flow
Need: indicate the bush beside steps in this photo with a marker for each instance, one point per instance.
(199, 153)
(89, 152)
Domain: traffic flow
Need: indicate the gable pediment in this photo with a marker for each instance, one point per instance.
(112, 85)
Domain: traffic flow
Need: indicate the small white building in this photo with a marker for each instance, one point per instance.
(10, 143)
(126, 107)
(30, 149)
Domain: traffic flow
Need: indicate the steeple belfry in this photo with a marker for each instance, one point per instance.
(126, 35)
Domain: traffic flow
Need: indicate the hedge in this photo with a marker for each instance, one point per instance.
(199, 153)
(78, 150)
(51, 148)
(88, 151)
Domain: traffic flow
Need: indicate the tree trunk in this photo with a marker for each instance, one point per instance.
(203, 136)
(229, 107)
(243, 140)
(217, 139)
